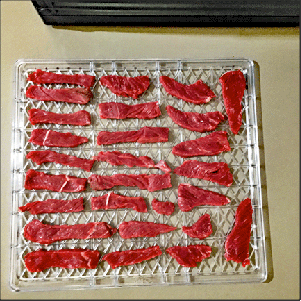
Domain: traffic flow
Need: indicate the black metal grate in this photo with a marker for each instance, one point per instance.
(168, 12)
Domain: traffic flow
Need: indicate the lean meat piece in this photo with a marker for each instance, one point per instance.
(146, 134)
(201, 229)
(46, 234)
(217, 172)
(38, 261)
(233, 87)
(143, 229)
(44, 156)
(53, 206)
(61, 183)
(70, 95)
(189, 256)
(151, 182)
(166, 208)
(115, 201)
(129, 257)
(56, 139)
(43, 77)
(194, 121)
(210, 145)
(119, 158)
(37, 116)
(196, 93)
(126, 86)
(190, 196)
(237, 242)
(118, 110)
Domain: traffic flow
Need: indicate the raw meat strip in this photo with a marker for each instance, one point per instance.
(38, 261)
(43, 77)
(44, 156)
(115, 201)
(146, 134)
(119, 158)
(237, 242)
(190, 196)
(53, 206)
(210, 145)
(129, 257)
(118, 110)
(37, 116)
(189, 256)
(166, 208)
(217, 172)
(53, 138)
(126, 86)
(61, 183)
(70, 95)
(36, 231)
(151, 182)
(233, 87)
(194, 121)
(143, 229)
(196, 93)
(200, 229)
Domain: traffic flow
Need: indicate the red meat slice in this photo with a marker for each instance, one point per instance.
(37, 116)
(126, 86)
(119, 158)
(129, 257)
(217, 172)
(190, 196)
(194, 121)
(146, 134)
(149, 182)
(196, 93)
(53, 138)
(200, 229)
(61, 183)
(115, 201)
(189, 256)
(143, 229)
(70, 95)
(54, 206)
(46, 234)
(210, 145)
(237, 242)
(233, 87)
(38, 261)
(44, 156)
(166, 208)
(118, 110)
(43, 77)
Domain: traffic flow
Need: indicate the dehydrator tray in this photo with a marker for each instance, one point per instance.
(243, 160)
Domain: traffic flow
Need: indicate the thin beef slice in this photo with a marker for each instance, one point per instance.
(165, 208)
(126, 86)
(194, 121)
(190, 196)
(196, 93)
(210, 145)
(217, 172)
(36, 231)
(38, 116)
(200, 229)
(38, 261)
(69, 95)
(233, 87)
(143, 229)
(237, 242)
(130, 257)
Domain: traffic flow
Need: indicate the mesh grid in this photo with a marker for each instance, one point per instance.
(242, 160)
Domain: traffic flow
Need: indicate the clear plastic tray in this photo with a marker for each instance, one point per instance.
(243, 161)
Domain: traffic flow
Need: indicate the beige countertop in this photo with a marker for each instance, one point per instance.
(275, 50)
